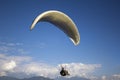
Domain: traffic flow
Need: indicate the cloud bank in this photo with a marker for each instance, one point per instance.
(25, 66)
(111, 77)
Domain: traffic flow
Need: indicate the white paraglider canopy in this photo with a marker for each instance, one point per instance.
(60, 20)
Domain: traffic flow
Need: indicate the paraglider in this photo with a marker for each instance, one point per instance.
(64, 72)
(60, 20)
(64, 23)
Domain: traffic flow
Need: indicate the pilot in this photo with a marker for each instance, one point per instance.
(64, 72)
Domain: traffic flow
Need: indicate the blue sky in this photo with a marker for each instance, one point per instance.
(98, 22)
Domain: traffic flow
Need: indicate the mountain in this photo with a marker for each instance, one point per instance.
(72, 78)
(8, 78)
(32, 78)
(37, 78)
(42, 78)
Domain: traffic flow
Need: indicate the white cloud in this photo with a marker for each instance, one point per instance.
(46, 70)
(40, 69)
(80, 69)
(9, 66)
(11, 48)
(6, 66)
(116, 77)
(18, 65)
(109, 77)
(25, 66)
(5, 49)
(10, 43)
(103, 77)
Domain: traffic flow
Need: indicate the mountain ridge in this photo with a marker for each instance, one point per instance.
(42, 78)
(32, 78)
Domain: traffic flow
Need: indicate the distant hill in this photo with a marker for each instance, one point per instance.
(8, 78)
(72, 78)
(37, 78)
(42, 78)
(32, 78)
